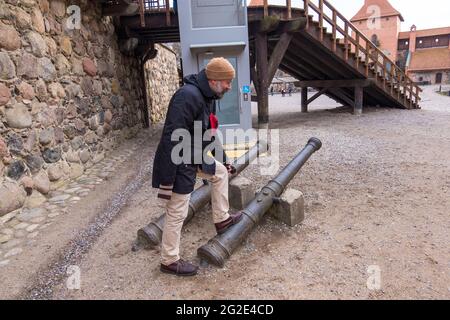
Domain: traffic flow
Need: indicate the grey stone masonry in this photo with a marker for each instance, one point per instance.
(290, 208)
(241, 191)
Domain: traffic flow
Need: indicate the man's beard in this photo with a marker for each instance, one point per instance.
(218, 90)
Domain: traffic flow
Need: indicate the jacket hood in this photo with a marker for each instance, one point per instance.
(201, 81)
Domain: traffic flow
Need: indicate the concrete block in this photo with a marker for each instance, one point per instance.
(240, 192)
(291, 207)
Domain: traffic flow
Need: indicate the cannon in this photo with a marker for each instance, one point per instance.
(151, 234)
(220, 248)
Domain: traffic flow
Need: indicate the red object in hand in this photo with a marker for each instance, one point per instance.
(230, 168)
(214, 123)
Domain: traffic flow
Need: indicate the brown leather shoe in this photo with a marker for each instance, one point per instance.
(234, 218)
(180, 268)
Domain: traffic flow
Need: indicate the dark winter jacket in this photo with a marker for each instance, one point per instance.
(195, 101)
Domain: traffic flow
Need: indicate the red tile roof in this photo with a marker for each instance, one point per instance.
(386, 10)
(425, 33)
(430, 59)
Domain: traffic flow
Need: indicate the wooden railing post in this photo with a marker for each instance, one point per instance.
(346, 41)
(391, 75)
(289, 9)
(384, 72)
(168, 22)
(321, 19)
(405, 86)
(334, 30)
(141, 12)
(357, 50)
(266, 8)
(306, 9)
(411, 95)
(367, 57)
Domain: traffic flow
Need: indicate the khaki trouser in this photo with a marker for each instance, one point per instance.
(177, 209)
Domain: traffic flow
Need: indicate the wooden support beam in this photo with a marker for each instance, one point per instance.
(357, 108)
(289, 9)
(294, 25)
(116, 10)
(278, 54)
(262, 69)
(318, 94)
(342, 96)
(344, 83)
(304, 99)
(253, 73)
(142, 12)
(265, 25)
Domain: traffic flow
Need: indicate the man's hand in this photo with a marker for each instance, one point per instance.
(231, 169)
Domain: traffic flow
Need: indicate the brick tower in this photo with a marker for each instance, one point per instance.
(380, 22)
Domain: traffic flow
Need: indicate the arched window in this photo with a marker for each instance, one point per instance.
(375, 40)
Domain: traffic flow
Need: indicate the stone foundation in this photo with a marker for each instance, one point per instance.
(67, 95)
(430, 77)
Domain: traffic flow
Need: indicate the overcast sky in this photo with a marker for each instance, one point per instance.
(424, 14)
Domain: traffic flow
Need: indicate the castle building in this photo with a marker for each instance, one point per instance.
(423, 54)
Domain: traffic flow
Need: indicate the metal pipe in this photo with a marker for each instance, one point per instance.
(151, 234)
(220, 248)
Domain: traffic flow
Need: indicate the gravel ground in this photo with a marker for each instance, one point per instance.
(376, 198)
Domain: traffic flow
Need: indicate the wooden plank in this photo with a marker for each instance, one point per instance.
(118, 10)
(306, 9)
(318, 94)
(334, 30)
(168, 22)
(344, 83)
(262, 69)
(266, 8)
(359, 97)
(278, 54)
(289, 9)
(342, 96)
(321, 19)
(304, 104)
(346, 41)
(141, 12)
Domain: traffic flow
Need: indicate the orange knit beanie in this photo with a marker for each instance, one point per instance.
(220, 69)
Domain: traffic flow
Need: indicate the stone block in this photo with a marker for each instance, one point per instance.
(241, 191)
(290, 209)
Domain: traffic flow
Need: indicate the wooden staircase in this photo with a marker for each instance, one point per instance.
(332, 55)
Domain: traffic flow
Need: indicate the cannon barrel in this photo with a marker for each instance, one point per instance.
(151, 234)
(220, 248)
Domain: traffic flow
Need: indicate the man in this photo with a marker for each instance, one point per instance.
(194, 102)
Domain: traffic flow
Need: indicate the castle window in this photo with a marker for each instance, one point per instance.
(406, 42)
(420, 41)
(437, 40)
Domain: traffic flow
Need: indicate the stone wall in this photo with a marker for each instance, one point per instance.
(162, 82)
(67, 95)
(430, 76)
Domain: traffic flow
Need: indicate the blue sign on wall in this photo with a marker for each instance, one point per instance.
(246, 89)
